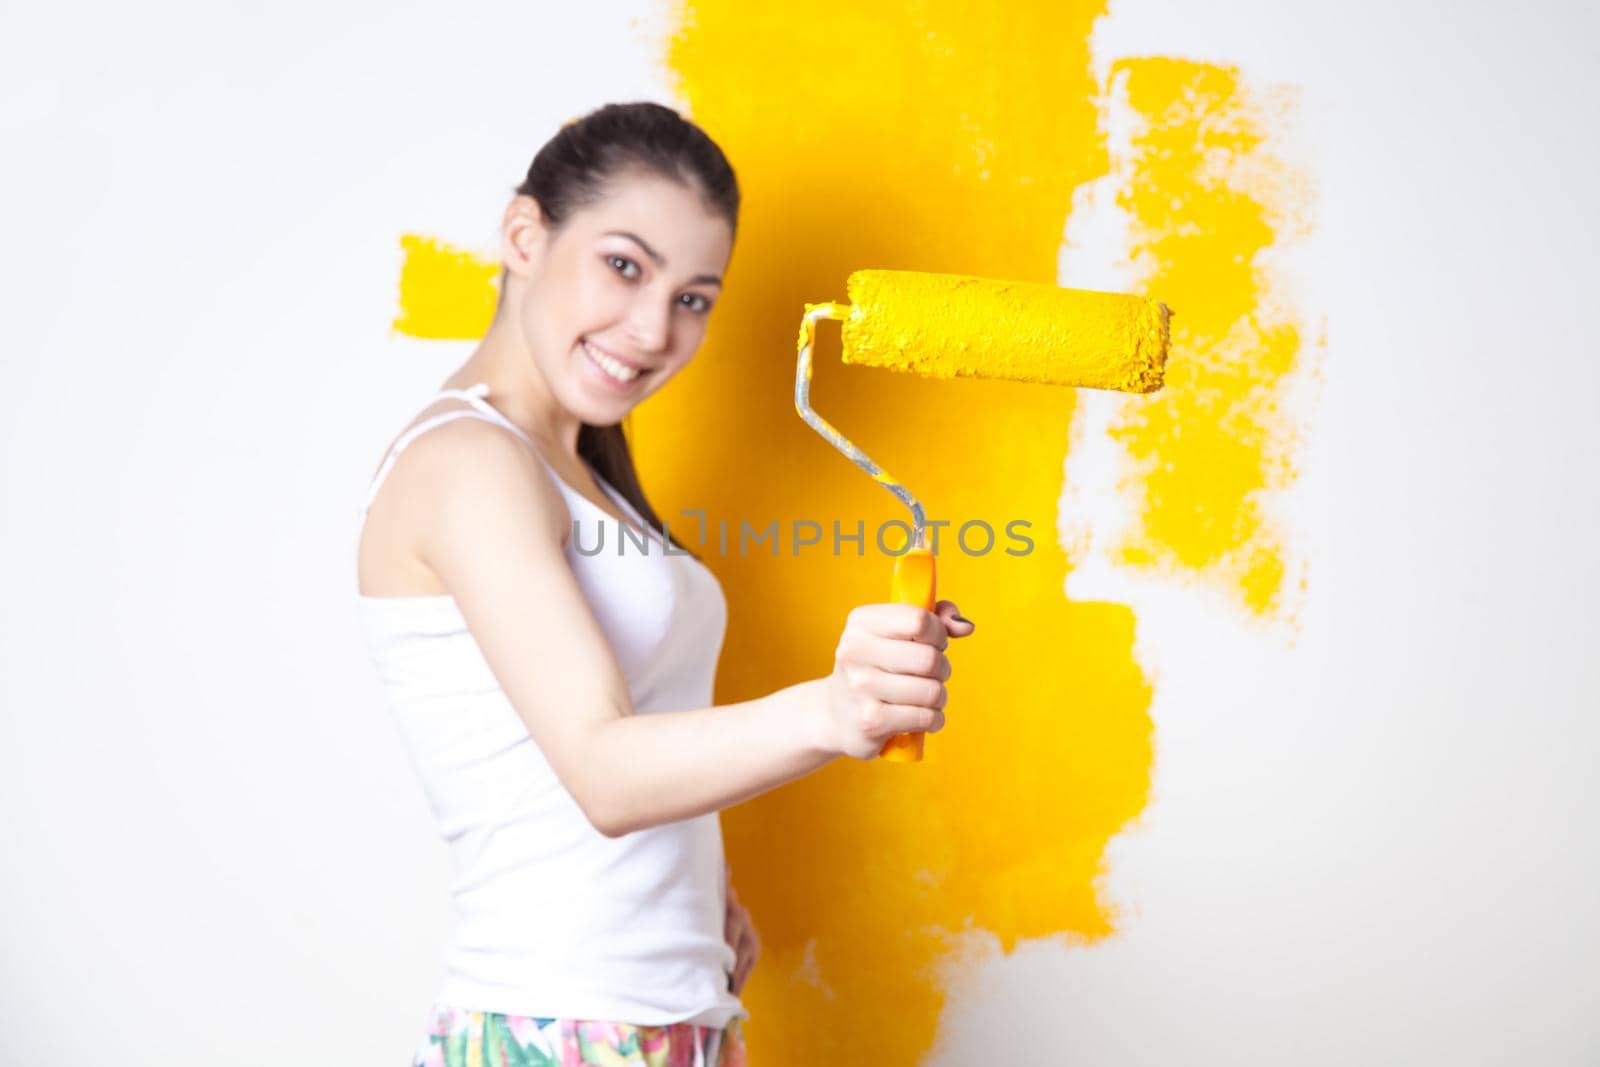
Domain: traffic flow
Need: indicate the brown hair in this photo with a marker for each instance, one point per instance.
(571, 172)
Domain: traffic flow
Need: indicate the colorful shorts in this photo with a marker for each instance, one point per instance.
(461, 1037)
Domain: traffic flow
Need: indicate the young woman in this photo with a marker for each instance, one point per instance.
(555, 701)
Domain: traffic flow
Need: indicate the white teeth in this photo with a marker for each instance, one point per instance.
(619, 371)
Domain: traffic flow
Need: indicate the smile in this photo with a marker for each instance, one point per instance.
(614, 369)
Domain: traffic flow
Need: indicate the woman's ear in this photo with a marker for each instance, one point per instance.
(523, 234)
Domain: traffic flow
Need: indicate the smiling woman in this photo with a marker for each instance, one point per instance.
(663, 177)
(556, 703)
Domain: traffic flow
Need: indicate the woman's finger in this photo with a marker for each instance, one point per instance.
(899, 622)
(752, 954)
(955, 624)
(743, 957)
(910, 690)
(906, 657)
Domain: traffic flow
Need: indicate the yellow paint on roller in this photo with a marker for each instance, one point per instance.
(1206, 199)
(446, 293)
(950, 325)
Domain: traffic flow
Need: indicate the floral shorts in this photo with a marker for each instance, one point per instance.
(461, 1037)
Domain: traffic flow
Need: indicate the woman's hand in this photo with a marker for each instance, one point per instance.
(888, 675)
(738, 931)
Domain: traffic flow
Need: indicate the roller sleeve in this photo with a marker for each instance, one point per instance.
(950, 325)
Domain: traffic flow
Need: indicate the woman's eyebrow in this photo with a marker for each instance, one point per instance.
(660, 260)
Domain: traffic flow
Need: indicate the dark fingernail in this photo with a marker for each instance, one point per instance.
(963, 618)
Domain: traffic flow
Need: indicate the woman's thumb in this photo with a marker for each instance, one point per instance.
(955, 624)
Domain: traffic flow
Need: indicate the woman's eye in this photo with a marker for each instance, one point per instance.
(696, 303)
(623, 266)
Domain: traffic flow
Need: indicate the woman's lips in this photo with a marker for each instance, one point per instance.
(597, 357)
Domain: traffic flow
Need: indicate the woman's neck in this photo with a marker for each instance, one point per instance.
(521, 393)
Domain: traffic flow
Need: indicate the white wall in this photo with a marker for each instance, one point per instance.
(1370, 845)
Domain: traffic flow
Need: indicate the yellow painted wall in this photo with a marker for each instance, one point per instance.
(1206, 196)
(944, 137)
(905, 136)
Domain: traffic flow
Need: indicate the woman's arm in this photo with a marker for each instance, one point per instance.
(489, 523)
(685, 763)
(888, 677)
(490, 527)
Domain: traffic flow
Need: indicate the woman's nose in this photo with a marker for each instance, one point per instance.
(649, 325)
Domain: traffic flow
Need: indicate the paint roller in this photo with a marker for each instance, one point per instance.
(953, 326)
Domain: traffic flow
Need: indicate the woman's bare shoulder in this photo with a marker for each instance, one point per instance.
(447, 485)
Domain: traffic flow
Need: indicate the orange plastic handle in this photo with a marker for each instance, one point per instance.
(914, 583)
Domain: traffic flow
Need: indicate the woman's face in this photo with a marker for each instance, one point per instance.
(615, 300)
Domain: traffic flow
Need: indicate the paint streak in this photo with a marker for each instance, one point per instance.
(1206, 199)
(446, 293)
(930, 136)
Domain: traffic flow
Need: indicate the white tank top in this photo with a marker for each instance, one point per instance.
(553, 918)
